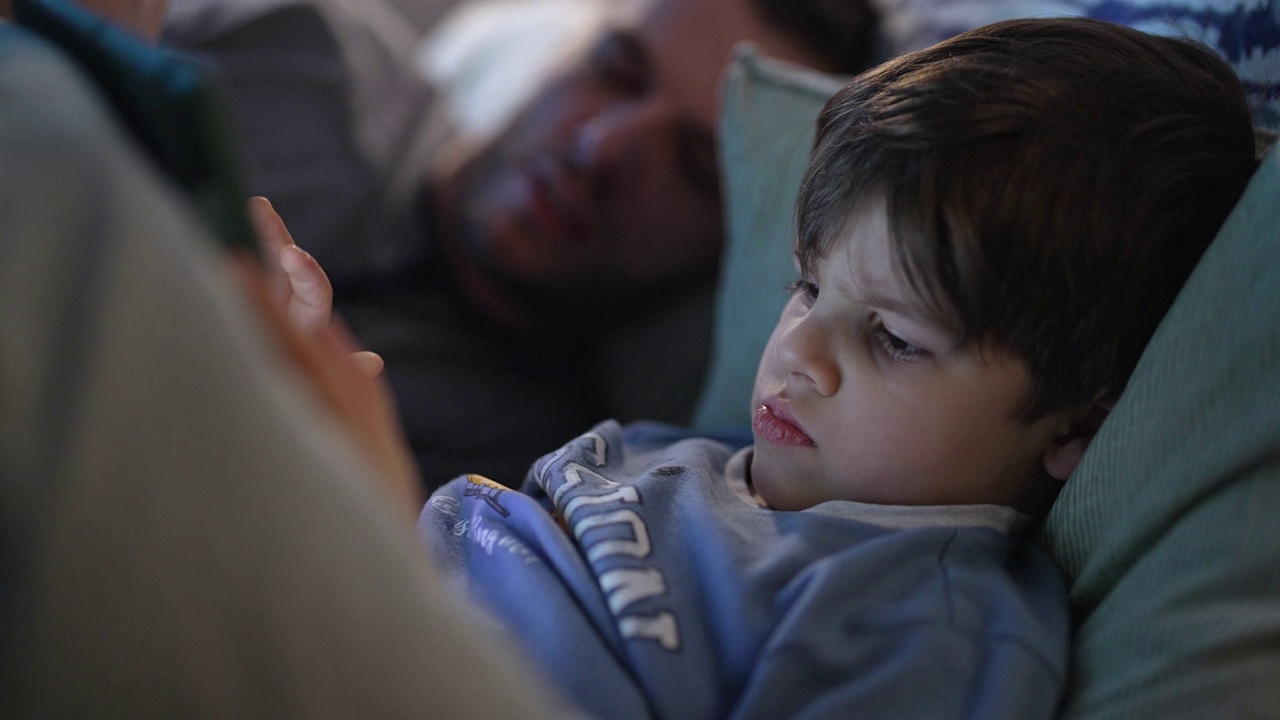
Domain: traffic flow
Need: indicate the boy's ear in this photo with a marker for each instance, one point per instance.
(1066, 449)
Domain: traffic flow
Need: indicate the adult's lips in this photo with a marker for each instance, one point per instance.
(558, 200)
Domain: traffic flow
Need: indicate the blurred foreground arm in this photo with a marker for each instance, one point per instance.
(185, 528)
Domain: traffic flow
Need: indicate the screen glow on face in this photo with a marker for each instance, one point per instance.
(863, 394)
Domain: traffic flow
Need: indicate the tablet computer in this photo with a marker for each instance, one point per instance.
(167, 101)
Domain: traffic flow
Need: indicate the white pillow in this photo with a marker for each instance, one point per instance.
(489, 57)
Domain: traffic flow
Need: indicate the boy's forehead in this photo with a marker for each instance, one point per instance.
(866, 248)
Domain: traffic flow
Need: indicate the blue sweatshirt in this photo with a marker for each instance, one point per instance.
(640, 576)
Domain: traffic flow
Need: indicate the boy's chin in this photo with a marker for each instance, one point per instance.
(767, 482)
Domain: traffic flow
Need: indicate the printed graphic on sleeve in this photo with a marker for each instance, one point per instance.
(605, 519)
(487, 490)
(489, 536)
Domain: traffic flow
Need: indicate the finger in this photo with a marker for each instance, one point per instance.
(273, 237)
(272, 232)
(370, 363)
(311, 301)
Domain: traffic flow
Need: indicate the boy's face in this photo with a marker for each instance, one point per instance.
(862, 395)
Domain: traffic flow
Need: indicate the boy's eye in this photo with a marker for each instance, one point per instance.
(808, 291)
(895, 347)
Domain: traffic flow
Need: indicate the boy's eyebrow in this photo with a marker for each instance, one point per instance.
(899, 306)
(916, 311)
(867, 289)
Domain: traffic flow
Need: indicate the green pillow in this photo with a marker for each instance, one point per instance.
(1170, 527)
(768, 110)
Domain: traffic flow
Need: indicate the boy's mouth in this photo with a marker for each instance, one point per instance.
(779, 427)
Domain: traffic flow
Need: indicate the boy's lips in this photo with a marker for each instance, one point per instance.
(776, 425)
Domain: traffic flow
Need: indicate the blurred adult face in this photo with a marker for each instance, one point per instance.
(604, 191)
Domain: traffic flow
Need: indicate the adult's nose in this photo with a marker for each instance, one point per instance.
(618, 140)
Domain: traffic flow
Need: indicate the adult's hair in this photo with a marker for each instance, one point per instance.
(1050, 185)
(840, 32)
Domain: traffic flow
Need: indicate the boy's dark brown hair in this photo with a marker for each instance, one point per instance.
(1050, 184)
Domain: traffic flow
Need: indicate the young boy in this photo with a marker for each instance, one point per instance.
(989, 232)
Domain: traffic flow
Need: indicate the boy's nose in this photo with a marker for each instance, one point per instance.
(803, 351)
